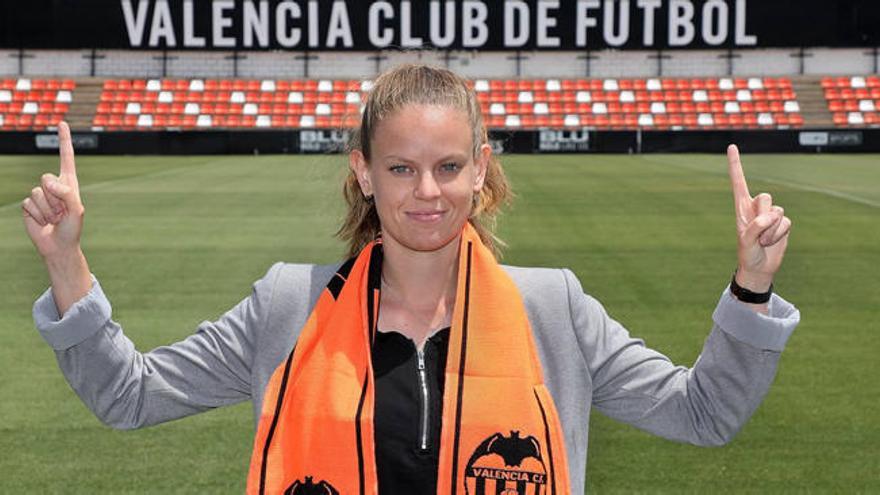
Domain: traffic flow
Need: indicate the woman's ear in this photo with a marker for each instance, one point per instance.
(482, 164)
(358, 164)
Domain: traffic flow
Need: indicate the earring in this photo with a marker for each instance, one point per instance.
(369, 199)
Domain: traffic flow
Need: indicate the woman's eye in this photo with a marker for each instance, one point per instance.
(399, 169)
(450, 167)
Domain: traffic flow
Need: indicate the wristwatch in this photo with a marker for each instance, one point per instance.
(747, 296)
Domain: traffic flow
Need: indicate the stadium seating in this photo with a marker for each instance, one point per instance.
(695, 103)
(34, 104)
(204, 104)
(853, 101)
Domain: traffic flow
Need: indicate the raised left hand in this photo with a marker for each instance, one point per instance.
(762, 230)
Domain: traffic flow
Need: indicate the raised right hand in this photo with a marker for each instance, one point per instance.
(53, 213)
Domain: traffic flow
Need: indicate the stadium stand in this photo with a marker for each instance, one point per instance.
(27, 104)
(692, 103)
(853, 101)
(605, 104)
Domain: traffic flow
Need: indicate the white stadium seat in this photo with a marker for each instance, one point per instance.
(583, 97)
(497, 109)
(743, 95)
(765, 119)
(855, 118)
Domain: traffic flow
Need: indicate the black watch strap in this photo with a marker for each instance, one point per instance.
(745, 295)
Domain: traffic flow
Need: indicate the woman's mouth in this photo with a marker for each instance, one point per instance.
(426, 216)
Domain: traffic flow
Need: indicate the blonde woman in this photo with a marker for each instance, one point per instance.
(420, 365)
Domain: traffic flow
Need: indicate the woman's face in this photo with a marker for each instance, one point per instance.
(422, 175)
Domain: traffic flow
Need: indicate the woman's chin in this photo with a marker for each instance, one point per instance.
(427, 242)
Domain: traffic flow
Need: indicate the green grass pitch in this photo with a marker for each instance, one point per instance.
(178, 240)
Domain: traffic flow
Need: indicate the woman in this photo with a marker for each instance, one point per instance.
(420, 365)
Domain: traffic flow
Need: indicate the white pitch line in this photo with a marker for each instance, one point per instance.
(102, 184)
(794, 185)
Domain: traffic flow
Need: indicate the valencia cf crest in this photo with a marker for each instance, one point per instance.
(506, 465)
(308, 487)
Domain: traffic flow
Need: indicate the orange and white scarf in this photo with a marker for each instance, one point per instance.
(500, 430)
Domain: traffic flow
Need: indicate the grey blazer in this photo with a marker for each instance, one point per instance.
(588, 359)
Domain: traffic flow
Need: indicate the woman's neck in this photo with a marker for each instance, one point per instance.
(421, 278)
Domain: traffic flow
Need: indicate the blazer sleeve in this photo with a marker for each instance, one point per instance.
(706, 404)
(128, 389)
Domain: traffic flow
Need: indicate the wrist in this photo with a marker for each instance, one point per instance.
(70, 278)
(754, 282)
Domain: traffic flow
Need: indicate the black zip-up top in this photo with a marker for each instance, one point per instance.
(408, 412)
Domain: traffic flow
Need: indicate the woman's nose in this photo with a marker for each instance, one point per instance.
(427, 187)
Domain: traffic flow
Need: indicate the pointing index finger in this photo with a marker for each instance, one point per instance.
(65, 149)
(737, 178)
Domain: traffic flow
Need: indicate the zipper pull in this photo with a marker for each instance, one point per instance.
(421, 354)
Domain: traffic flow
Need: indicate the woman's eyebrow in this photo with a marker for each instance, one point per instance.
(446, 158)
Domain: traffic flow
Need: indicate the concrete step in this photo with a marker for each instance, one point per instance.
(85, 103)
(811, 98)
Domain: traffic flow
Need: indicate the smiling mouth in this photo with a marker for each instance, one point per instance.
(426, 216)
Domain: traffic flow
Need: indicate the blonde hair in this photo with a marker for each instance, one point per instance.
(419, 84)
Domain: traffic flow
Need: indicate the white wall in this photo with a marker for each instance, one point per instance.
(695, 63)
(126, 63)
(267, 65)
(483, 64)
(828, 61)
(199, 64)
(767, 62)
(8, 63)
(285, 64)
